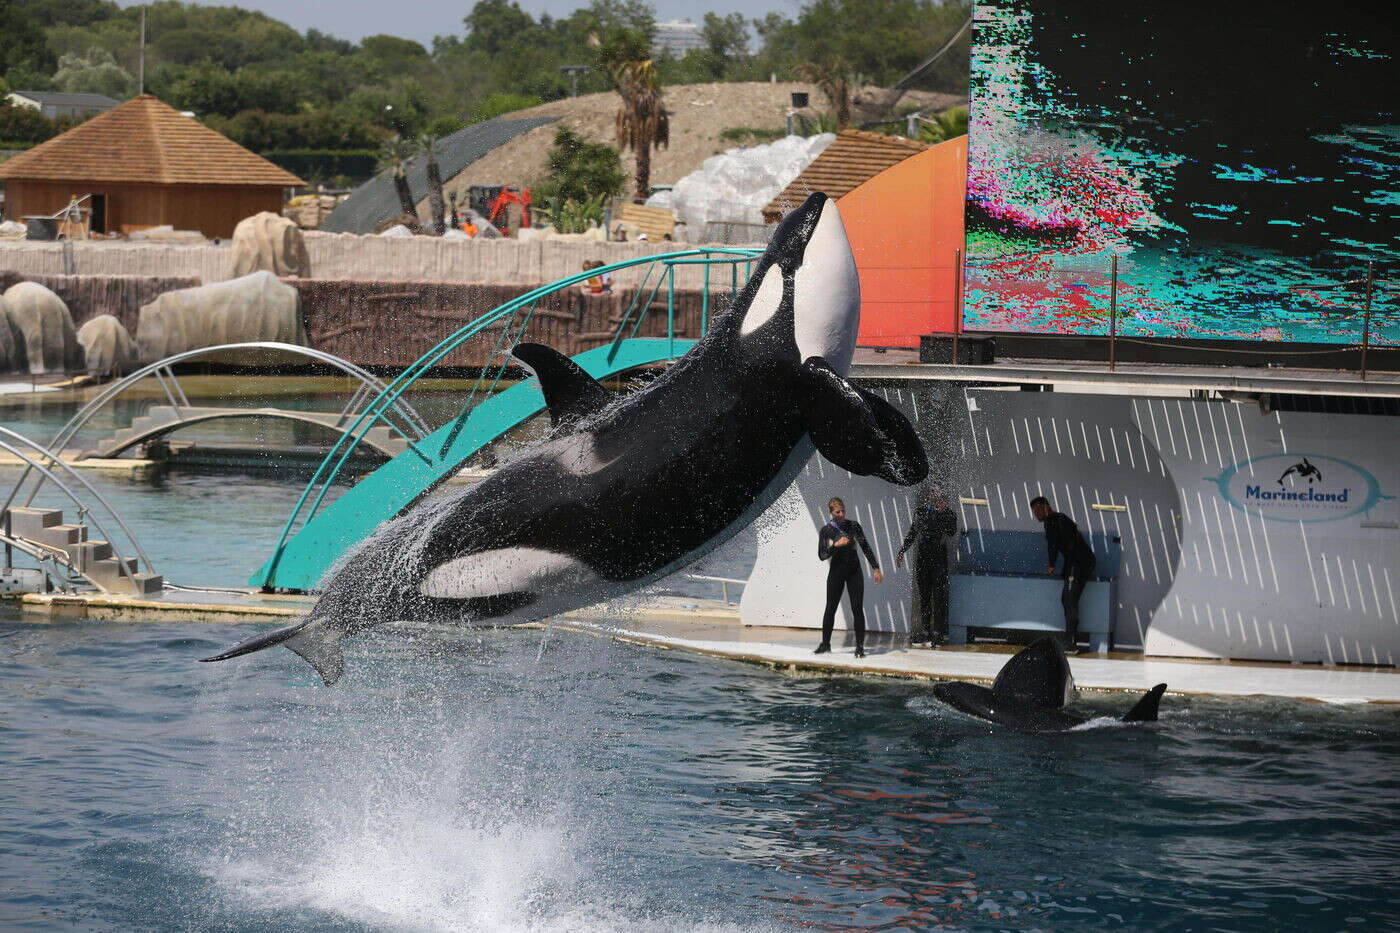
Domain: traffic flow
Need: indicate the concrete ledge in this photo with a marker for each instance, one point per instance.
(171, 606)
(713, 629)
(888, 656)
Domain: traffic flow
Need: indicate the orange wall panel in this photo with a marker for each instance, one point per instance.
(906, 228)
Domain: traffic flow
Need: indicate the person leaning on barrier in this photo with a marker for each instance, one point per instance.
(836, 542)
(1063, 540)
(934, 523)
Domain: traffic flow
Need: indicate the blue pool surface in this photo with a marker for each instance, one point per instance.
(525, 780)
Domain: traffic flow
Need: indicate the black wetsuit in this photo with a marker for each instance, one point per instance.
(844, 573)
(929, 535)
(1062, 539)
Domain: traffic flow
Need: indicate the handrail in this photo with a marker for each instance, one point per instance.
(74, 424)
(140, 552)
(121, 561)
(43, 552)
(352, 437)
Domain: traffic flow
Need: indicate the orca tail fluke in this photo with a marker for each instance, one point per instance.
(317, 643)
(1146, 708)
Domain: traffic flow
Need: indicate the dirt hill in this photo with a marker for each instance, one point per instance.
(699, 114)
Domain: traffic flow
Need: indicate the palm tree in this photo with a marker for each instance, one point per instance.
(392, 154)
(835, 86)
(940, 127)
(642, 122)
(429, 147)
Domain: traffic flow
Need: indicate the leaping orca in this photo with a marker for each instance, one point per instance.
(627, 490)
(1031, 690)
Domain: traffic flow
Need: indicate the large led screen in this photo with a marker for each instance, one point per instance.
(1240, 159)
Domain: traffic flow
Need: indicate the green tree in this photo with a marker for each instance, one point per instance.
(580, 170)
(95, 73)
(393, 153)
(24, 51)
(500, 103)
(497, 26)
(725, 37)
(941, 127)
(429, 147)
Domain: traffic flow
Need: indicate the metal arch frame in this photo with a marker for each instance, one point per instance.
(354, 435)
(34, 464)
(280, 414)
(414, 428)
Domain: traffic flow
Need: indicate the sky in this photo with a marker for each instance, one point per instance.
(423, 19)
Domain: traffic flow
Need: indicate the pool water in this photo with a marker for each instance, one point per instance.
(538, 780)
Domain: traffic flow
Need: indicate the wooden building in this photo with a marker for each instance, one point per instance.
(143, 164)
(852, 159)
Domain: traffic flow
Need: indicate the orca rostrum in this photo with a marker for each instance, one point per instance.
(628, 489)
(1031, 691)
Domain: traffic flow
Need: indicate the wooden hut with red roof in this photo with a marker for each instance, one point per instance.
(144, 164)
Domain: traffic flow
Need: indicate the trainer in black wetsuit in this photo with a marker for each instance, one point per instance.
(934, 523)
(836, 542)
(1063, 540)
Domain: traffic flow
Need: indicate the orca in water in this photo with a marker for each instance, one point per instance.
(1031, 690)
(627, 490)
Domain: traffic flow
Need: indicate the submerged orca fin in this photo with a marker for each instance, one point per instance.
(1038, 674)
(317, 643)
(569, 392)
(1146, 708)
(857, 430)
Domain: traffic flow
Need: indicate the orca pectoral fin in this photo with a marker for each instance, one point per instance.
(1146, 708)
(317, 643)
(569, 392)
(857, 430)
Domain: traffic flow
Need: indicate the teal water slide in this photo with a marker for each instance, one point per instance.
(317, 534)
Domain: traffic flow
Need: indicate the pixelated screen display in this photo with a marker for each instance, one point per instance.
(1242, 161)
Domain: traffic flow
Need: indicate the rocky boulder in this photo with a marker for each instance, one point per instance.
(12, 358)
(255, 307)
(268, 243)
(106, 344)
(44, 329)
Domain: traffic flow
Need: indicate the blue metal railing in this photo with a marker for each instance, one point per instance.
(336, 459)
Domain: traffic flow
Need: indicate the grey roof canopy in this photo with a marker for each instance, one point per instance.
(61, 99)
(375, 200)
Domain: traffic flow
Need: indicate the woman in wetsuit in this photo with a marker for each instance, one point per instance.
(836, 543)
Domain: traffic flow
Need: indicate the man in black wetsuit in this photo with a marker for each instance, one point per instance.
(934, 523)
(1062, 539)
(836, 542)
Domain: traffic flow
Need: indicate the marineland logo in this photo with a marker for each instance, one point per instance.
(1286, 487)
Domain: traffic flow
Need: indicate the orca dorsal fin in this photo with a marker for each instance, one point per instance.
(1037, 674)
(857, 430)
(569, 392)
(1146, 708)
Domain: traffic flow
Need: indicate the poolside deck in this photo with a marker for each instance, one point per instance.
(712, 628)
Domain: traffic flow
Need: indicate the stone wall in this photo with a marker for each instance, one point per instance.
(386, 324)
(343, 256)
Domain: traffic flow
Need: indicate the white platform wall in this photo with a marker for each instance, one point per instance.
(1208, 570)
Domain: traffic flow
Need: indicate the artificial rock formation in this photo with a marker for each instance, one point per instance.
(43, 328)
(12, 358)
(268, 243)
(255, 307)
(106, 344)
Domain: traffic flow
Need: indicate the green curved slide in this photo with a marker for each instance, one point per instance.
(301, 561)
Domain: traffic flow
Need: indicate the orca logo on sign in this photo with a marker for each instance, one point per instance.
(1290, 488)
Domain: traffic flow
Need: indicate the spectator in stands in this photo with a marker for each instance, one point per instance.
(934, 523)
(1063, 540)
(595, 284)
(836, 542)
